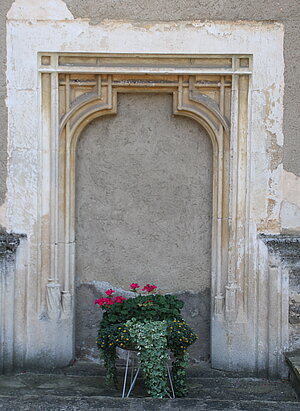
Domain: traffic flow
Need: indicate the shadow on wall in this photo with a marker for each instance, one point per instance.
(196, 312)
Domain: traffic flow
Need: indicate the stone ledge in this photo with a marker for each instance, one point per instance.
(287, 246)
(293, 361)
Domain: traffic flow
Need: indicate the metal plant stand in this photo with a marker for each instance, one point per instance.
(133, 369)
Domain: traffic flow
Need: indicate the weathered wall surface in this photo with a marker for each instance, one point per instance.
(254, 202)
(144, 204)
(4, 7)
(286, 11)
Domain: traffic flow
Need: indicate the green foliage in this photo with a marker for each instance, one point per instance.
(179, 373)
(109, 355)
(115, 335)
(180, 335)
(143, 307)
(151, 343)
(150, 324)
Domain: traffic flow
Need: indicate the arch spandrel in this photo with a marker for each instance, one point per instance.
(189, 98)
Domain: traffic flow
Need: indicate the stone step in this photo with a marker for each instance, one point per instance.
(82, 387)
(31, 402)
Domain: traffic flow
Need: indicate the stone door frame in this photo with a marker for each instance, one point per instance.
(211, 89)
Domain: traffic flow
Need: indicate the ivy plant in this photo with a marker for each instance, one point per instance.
(151, 343)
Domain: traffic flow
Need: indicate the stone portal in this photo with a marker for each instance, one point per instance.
(226, 76)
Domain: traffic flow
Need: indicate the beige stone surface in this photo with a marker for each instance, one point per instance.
(39, 10)
(290, 206)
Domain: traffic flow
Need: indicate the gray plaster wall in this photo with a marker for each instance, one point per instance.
(144, 197)
(143, 210)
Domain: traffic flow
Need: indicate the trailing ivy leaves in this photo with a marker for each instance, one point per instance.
(109, 357)
(151, 343)
(179, 365)
(151, 325)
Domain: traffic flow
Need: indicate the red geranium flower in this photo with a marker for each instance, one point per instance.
(134, 286)
(109, 292)
(149, 288)
(104, 301)
(119, 299)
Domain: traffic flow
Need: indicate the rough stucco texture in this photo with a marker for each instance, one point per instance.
(144, 198)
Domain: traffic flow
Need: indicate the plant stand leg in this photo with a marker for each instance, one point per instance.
(125, 375)
(132, 378)
(171, 383)
(133, 382)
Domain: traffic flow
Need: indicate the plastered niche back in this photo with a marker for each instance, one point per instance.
(64, 74)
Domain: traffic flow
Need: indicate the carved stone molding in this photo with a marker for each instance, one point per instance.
(284, 255)
(212, 90)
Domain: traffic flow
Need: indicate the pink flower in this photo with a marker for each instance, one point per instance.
(119, 299)
(104, 301)
(134, 286)
(149, 288)
(109, 292)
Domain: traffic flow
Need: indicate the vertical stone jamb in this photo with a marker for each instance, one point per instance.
(236, 287)
(8, 248)
(45, 189)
